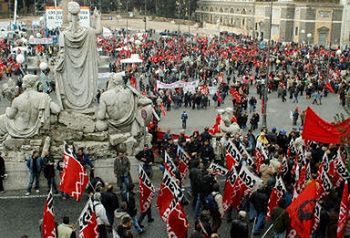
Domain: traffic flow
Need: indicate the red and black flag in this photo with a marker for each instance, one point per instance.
(146, 190)
(74, 177)
(87, 221)
(49, 226)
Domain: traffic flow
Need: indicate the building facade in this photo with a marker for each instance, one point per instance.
(4, 8)
(321, 23)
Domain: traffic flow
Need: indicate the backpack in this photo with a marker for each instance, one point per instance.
(118, 217)
(211, 204)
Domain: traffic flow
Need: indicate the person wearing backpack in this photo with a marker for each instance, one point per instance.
(184, 117)
(213, 203)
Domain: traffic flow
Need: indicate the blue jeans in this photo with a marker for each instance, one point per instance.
(32, 177)
(125, 181)
(52, 182)
(136, 225)
(259, 225)
(197, 208)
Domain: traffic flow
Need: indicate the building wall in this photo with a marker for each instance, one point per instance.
(4, 10)
(317, 23)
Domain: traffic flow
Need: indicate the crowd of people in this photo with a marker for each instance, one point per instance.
(225, 66)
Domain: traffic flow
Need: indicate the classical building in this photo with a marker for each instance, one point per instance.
(4, 8)
(318, 22)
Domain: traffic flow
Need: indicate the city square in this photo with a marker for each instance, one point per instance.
(211, 123)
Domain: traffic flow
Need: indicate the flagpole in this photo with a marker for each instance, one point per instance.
(267, 231)
(252, 236)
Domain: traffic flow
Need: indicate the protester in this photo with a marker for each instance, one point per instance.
(101, 216)
(110, 201)
(34, 164)
(49, 171)
(122, 169)
(129, 198)
(239, 227)
(65, 230)
(3, 174)
(184, 117)
(146, 156)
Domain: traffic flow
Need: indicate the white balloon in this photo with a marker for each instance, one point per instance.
(338, 52)
(38, 35)
(43, 66)
(20, 58)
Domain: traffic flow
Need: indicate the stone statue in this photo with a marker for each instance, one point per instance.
(29, 112)
(120, 107)
(77, 70)
(226, 126)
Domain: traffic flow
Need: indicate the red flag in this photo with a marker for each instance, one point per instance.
(301, 211)
(74, 177)
(216, 169)
(317, 129)
(235, 94)
(233, 156)
(329, 87)
(146, 190)
(87, 221)
(317, 216)
(302, 179)
(275, 196)
(177, 224)
(228, 189)
(169, 164)
(260, 157)
(168, 196)
(184, 160)
(344, 211)
(162, 109)
(245, 184)
(325, 184)
(49, 226)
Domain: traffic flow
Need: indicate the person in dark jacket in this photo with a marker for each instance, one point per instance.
(146, 156)
(260, 199)
(34, 164)
(195, 180)
(129, 198)
(2, 173)
(110, 201)
(239, 227)
(280, 220)
(207, 153)
(84, 159)
(124, 230)
(202, 225)
(49, 171)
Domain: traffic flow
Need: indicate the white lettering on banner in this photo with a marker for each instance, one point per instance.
(217, 169)
(232, 149)
(232, 176)
(249, 179)
(177, 84)
(54, 17)
(41, 41)
(341, 169)
(170, 182)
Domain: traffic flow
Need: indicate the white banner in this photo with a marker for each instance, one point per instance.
(40, 41)
(178, 84)
(54, 16)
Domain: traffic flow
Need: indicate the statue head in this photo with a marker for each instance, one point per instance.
(73, 8)
(115, 80)
(29, 81)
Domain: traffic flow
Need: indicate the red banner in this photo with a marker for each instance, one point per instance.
(301, 211)
(87, 222)
(74, 177)
(317, 129)
(344, 211)
(49, 225)
(146, 190)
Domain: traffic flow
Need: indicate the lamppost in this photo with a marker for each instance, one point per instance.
(145, 19)
(264, 101)
(309, 35)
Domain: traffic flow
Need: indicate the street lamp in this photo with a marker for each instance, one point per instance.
(309, 35)
(264, 101)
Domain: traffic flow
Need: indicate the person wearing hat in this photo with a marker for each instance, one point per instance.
(262, 139)
(239, 226)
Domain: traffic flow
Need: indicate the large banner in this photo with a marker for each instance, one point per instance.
(40, 41)
(187, 86)
(54, 16)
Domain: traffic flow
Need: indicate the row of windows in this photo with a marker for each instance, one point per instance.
(231, 10)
